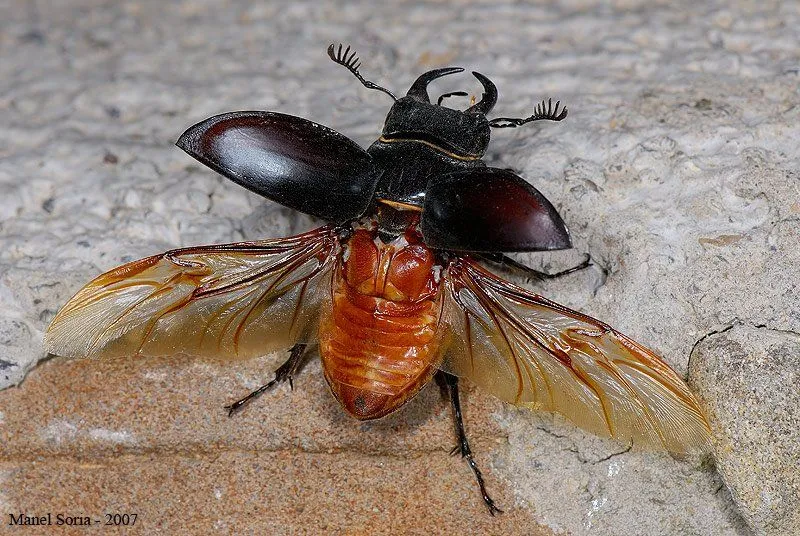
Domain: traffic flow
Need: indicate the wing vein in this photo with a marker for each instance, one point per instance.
(593, 375)
(253, 296)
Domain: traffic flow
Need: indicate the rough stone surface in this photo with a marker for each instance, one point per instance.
(676, 170)
(749, 378)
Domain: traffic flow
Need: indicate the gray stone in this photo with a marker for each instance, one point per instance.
(749, 377)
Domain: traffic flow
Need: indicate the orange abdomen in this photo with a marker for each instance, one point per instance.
(381, 344)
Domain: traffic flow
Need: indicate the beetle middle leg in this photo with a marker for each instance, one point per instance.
(283, 373)
(506, 261)
(451, 383)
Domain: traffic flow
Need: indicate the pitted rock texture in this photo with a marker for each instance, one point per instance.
(749, 377)
(676, 170)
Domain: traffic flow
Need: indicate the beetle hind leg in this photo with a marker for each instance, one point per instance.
(285, 372)
(504, 261)
(451, 384)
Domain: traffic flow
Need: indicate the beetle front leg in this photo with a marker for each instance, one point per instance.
(451, 382)
(283, 373)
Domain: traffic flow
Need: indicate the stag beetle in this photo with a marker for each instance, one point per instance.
(391, 289)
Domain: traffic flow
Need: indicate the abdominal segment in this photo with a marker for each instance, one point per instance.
(381, 344)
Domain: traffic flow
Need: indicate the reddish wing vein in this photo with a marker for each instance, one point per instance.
(535, 353)
(226, 301)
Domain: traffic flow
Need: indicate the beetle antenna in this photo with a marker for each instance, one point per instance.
(542, 111)
(350, 60)
(451, 94)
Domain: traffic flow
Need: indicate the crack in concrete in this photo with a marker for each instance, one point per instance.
(573, 448)
(740, 323)
(614, 455)
(551, 433)
(709, 334)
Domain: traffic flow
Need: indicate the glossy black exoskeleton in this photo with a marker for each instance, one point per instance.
(426, 164)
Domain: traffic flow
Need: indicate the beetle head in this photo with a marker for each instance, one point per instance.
(465, 134)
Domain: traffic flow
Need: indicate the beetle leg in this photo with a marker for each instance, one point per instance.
(504, 260)
(283, 373)
(463, 445)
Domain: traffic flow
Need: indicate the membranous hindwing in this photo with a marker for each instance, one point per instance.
(534, 353)
(231, 301)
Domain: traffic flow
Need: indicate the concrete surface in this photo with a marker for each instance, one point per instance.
(676, 170)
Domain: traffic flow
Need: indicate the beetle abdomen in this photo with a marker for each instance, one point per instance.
(381, 343)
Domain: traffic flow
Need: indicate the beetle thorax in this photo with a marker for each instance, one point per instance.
(456, 133)
(399, 271)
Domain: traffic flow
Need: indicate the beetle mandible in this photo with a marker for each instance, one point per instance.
(392, 289)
